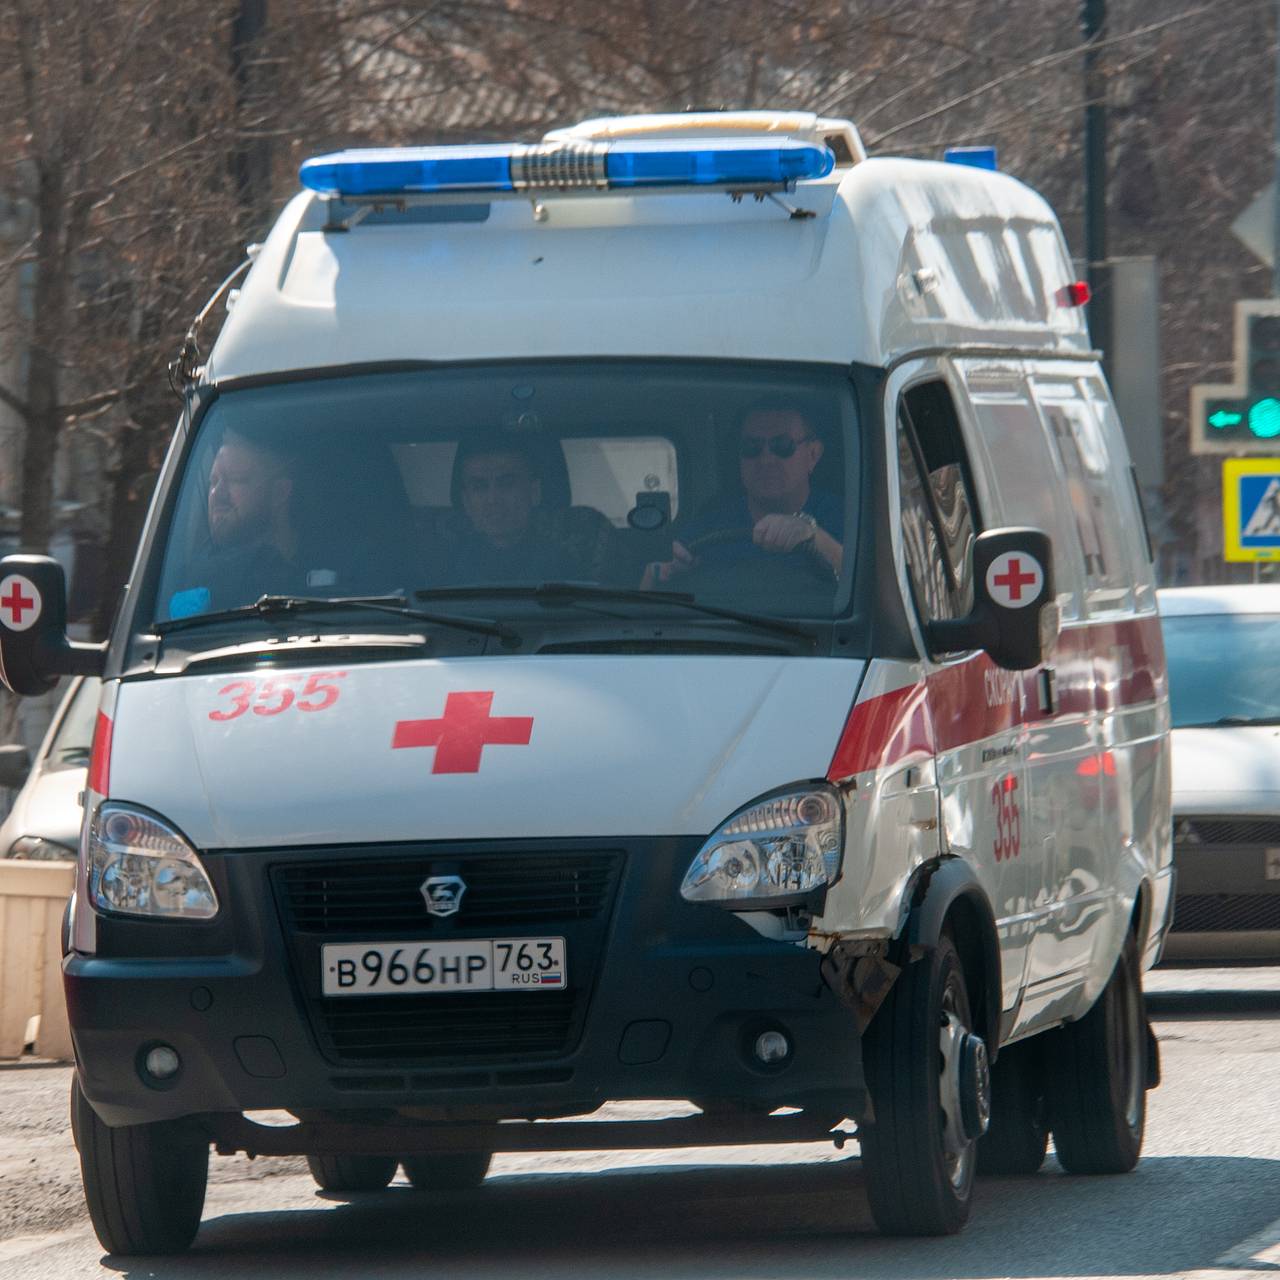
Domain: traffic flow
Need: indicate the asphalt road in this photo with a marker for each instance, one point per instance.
(1206, 1197)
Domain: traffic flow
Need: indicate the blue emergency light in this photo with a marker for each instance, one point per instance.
(568, 165)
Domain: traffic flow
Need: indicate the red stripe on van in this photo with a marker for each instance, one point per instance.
(883, 730)
(100, 756)
(1099, 668)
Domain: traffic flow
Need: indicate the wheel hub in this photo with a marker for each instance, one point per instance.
(975, 1086)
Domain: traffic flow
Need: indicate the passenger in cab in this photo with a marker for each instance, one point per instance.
(778, 510)
(251, 548)
(504, 533)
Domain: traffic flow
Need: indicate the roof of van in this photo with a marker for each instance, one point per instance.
(897, 255)
(1262, 597)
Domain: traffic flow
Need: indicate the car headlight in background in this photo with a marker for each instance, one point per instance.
(38, 849)
(140, 865)
(784, 846)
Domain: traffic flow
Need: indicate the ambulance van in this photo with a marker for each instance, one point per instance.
(663, 613)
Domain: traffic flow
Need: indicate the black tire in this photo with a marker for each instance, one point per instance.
(454, 1171)
(1097, 1077)
(352, 1173)
(144, 1183)
(1018, 1137)
(919, 1176)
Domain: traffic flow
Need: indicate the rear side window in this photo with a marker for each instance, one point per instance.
(1024, 471)
(939, 514)
(1092, 476)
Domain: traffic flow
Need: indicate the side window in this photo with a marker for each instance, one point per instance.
(1122, 479)
(939, 514)
(1024, 471)
(1082, 450)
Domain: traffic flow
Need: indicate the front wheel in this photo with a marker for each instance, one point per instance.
(456, 1171)
(144, 1183)
(1097, 1077)
(930, 1092)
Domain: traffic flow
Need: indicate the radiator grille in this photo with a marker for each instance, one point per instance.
(1222, 912)
(1230, 831)
(383, 896)
(378, 897)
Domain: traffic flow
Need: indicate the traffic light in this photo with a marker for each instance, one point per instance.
(1244, 417)
(1262, 417)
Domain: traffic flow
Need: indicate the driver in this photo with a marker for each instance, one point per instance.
(778, 510)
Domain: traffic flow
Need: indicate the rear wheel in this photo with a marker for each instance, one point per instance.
(144, 1183)
(1018, 1136)
(930, 1092)
(352, 1173)
(454, 1171)
(1097, 1077)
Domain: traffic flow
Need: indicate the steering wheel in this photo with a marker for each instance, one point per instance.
(801, 557)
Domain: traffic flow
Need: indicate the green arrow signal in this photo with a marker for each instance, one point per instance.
(1222, 419)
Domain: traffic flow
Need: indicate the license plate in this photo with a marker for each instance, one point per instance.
(417, 968)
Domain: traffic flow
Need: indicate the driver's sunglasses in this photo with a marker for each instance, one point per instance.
(781, 446)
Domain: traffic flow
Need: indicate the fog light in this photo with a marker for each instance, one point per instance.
(772, 1047)
(162, 1063)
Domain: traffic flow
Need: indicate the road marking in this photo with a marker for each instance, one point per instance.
(23, 1246)
(1259, 1253)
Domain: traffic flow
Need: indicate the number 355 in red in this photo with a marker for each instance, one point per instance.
(276, 694)
(1008, 841)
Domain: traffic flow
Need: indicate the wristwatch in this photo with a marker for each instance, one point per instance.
(807, 541)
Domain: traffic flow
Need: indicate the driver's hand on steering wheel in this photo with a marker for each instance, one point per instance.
(782, 533)
(662, 571)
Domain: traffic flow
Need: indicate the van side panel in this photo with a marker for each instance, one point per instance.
(1097, 783)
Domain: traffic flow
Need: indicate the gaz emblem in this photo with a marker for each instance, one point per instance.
(443, 894)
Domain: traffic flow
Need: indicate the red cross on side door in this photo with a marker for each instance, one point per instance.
(462, 733)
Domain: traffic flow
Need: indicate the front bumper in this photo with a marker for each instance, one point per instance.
(664, 998)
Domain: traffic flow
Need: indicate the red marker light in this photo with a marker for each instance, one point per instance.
(100, 756)
(1075, 294)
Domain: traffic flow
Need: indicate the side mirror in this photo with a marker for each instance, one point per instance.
(34, 649)
(1015, 616)
(15, 764)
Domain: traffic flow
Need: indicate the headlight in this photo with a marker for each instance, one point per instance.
(140, 865)
(37, 849)
(782, 847)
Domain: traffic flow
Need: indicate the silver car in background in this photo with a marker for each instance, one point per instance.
(1223, 647)
(44, 823)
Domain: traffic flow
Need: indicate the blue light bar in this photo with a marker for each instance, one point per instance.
(633, 164)
(974, 157)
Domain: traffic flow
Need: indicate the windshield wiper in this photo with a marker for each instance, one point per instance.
(269, 606)
(1229, 722)
(584, 592)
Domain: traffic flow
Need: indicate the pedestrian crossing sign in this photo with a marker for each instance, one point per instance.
(1251, 509)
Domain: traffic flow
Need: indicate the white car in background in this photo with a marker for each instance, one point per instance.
(1223, 649)
(44, 823)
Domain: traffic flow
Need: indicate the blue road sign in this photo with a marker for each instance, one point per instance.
(1251, 508)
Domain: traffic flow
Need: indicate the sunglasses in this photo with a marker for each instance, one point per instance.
(781, 446)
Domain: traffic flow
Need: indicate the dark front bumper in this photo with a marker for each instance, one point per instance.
(664, 998)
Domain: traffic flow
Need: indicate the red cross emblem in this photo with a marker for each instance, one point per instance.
(1009, 574)
(463, 732)
(19, 602)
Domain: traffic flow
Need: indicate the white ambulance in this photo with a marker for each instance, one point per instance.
(662, 613)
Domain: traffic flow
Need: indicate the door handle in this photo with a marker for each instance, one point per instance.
(1047, 689)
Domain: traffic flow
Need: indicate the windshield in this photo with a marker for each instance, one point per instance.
(1222, 669)
(71, 743)
(722, 482)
